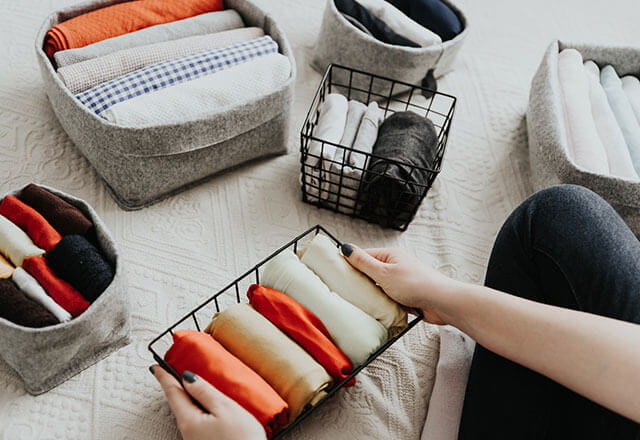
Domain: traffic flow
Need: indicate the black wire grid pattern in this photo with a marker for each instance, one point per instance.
(324, 181)
(234, 293)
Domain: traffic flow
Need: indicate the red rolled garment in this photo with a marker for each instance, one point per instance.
(303, 327)
(59, 290)
(201, 354)
(30, 221)
(122, 18)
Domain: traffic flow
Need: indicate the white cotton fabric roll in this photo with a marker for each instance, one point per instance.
(332, 120)
(620, 164)
(366, 137)
(357, 334)
(585, 145)
(631, 87)
(447, 397)
(400, 23)
(87, 74)
(339, 166)
(34, 290)
(15, 244)
(623, 111)
(202, 24)
(196, 99)
(325, 260)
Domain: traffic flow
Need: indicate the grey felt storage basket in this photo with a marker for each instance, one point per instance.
(340, 42)
(548, 147)
(46, 357)
(143, 165)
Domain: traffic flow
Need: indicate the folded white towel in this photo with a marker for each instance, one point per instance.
(610, 134)
(199, 98)
(15, 244)
(30, 286)
(202, 24)
(623, 111)
(400, 23)
(631, 87)
(447, 397)
(349, 176)
(86, 74)
(585, 146)
(357, 334)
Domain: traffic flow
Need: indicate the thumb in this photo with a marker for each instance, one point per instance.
(362, 261)
(206, 394)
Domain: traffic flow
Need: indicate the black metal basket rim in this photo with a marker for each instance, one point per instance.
(436, 92)
(369, 155)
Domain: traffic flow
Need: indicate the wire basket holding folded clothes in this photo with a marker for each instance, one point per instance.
(234, 293)
(386, 189)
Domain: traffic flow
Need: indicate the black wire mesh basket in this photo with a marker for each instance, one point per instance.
(325, 182)
(234, 293)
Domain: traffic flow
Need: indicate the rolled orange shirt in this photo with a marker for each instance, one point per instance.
(199, 353)
(30, 221)
(59, 290)
(303, 327)
(122, 18)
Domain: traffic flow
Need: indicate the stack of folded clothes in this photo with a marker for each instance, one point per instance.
(602, 116)
(311, 322)
(50, 269)
(412, 23)
(148, 62)
(362, 163)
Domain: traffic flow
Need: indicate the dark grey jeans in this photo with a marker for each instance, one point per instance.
(564, 246)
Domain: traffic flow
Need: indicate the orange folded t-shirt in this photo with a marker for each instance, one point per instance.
(122, 18)
(303, 327)
(59, 290)
(30, 221)
(199, 353)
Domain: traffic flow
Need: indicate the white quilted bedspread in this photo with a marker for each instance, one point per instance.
(183, 249)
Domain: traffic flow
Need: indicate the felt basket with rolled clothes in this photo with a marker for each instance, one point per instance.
(547, 127)
(361, 179)
(341, 42)
(65, 307)
(375, 323)
(143, 164)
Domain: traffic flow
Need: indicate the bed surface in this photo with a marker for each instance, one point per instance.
(182, 250)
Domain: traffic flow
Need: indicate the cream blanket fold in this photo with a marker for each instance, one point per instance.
(623, 111)
(202, 24)
(585, 146)
(86, 74)
(610, 134)
(15, 244)
(357, 334)
(400, 23)
(30, 286)
(263, 347)
(198, 98)
(325, 260)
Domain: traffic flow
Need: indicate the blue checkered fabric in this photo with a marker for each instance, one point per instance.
(168, 73)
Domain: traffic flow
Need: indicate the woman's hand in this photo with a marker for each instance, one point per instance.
(224, 419)
(405, 279)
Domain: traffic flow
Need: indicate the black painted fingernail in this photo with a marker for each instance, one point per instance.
(189, 376)
(151, 370)
(346, 249)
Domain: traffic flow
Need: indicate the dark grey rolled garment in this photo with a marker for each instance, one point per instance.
(392, 186)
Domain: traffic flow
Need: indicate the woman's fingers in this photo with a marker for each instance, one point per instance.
(363, 261)
(179, 401)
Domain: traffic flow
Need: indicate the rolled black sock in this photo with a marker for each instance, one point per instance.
(392, 186)
(18, 308)
(81, 264)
